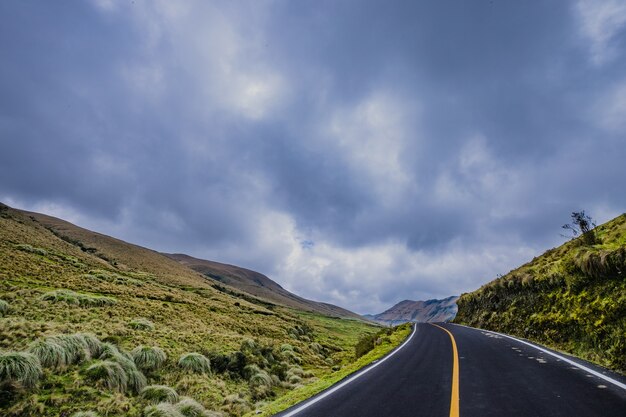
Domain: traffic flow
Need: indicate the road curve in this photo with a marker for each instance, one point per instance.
(496, 376)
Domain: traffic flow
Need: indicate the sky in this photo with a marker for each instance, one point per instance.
(356, 152)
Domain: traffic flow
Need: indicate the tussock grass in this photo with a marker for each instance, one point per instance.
(4, 308)
(149, 358)
(136, 380)
(49, 352)
(74, 298)
(141, 324)
(108, 373)
(86, 414)
(189, 407)
(162, 410)
(155, 394)
(20, 367)
(28, 248)
(195, 362)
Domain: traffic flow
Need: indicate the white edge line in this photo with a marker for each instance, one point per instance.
(571, 362)
(346, 382)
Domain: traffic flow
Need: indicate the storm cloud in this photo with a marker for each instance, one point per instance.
(357, 152)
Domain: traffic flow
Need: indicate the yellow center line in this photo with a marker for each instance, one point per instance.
(454, 399)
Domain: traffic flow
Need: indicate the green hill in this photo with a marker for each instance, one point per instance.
(88, 321)
(572, 298)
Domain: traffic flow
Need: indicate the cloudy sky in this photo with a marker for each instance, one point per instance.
(357, 152)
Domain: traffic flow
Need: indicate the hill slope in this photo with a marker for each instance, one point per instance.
(58, 282)
(572, 298)
(418, 311)
(258, 285)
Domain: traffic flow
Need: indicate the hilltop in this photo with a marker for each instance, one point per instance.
(417, 311)
(103, 318)
(258, 285)
(572, 298)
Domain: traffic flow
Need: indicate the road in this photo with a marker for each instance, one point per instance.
(449, 370)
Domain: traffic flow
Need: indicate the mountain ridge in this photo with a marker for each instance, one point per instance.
(257, 284)
(433, 310)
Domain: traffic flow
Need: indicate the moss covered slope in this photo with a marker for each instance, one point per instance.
(90, 323)
(572, 298)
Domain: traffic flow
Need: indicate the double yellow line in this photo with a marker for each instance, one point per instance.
(454, 400)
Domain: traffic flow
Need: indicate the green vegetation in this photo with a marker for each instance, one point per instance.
(83, 300)
(162, 410)
(21, 368)
(195, 362)
(4, 308)
(149, 358)
(571, 298)
(85, 414)
(155, 394)
(93, 360)
(141, 324)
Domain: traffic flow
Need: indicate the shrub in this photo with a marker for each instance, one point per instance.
(20, 367)
(85, 414)
(195, 362)
(191, 408)
(110, 373)
(141, 324)
(162, 410)
(4, 308)
(49, 352)
(148, 358)
(159, 393)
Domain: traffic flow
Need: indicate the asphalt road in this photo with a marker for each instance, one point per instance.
(495, 376)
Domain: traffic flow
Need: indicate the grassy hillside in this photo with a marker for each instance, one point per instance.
(572, 298)
(259, 285)
(87, 322)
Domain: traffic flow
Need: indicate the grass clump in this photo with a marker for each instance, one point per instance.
(141, 324)
(50, 353)
(74, 298)
(162, 410)
(189, 407)
(20, 367)
(195, 362)
(85, 414)
(109, 373)
(30, 249)
(136, 380)
(155, 394)
(4, 308)
(149, 358)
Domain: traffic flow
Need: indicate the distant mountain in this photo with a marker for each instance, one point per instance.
(258, 285)
(572, 298)
(417, 311)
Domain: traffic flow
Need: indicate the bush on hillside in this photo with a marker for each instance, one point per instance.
(148, 358)
(195, 362)
(155, 394)
(20, 367)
